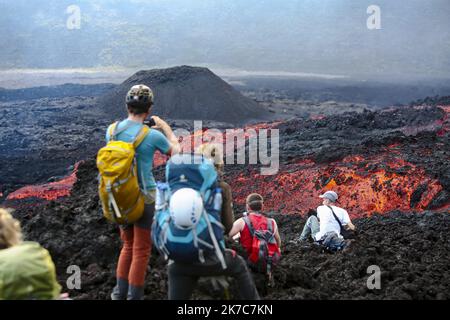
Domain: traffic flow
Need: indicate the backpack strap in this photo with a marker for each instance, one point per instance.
(269, 225)
(249, 225)
(118, 131)
(143, 132)
(271, 229)
(111, 130)
(337, 219)
(141, 136)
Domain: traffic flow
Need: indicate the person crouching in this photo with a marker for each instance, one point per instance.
(259, 236)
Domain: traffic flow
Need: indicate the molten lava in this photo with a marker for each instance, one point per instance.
(48, 191)
(366, 185)
(191, 142)
(62, 188)
(378, 184)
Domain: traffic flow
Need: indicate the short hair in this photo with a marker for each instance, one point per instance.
(10, 231)
(255, 201)
(138, 108)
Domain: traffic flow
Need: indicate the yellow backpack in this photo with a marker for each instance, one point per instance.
(120, 194)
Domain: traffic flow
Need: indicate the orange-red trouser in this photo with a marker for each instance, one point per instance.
(136, 249)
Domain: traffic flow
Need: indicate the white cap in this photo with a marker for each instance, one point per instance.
(186, 207)
(330, 195)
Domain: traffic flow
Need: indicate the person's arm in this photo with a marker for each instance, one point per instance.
(167, 131)
(347, 222)
(227, 206)
(350, 226)
(238, 226)
(277, 234)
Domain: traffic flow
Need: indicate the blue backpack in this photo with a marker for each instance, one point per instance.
(205, 238)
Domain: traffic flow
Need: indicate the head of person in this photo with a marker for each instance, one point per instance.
(329, 198)
(214, 152)
(10, 232)
(139, 100)
(254, 202)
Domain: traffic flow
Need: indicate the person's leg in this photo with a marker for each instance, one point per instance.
(236, 268)
(141, 253)
(315, 226)
(181, 281)
(310, 229)
(123, 266)
(306, 230)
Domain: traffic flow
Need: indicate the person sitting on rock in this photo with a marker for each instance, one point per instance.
(259, 236)
(329, 219)
(136, 249)
(27, 271)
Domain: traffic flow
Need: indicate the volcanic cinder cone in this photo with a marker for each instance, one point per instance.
(189, 93)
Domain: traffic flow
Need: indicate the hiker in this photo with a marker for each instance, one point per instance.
(193, 211)
(331, 221)
(26, 269)
(259, 236)
(134, 228)
(214, 152)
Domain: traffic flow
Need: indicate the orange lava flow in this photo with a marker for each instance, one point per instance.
(62, 188)
(48, 191)
(365, 186)
(190, 142)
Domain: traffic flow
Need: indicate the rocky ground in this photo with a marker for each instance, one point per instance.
(411, 250)
(379, 161)
(42, 138)
(410, 247)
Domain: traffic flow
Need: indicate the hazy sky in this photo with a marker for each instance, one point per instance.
(318, 36)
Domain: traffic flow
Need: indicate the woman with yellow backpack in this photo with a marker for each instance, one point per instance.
(127, 186)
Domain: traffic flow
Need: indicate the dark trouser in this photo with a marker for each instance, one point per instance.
(134, 256)
(183, 277)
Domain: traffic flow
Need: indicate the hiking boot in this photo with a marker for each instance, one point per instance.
(120, 291)
(136, 293)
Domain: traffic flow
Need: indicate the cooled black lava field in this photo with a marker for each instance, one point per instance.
(412, 251)
(411, 247)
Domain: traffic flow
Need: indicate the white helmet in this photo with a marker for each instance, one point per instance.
(186, 207)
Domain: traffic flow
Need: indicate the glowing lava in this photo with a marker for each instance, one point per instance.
(48, 191)
(378, 184)
(366, 185)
